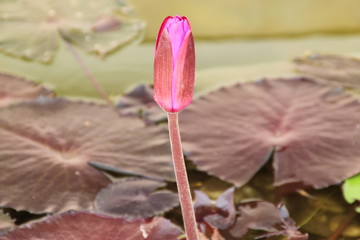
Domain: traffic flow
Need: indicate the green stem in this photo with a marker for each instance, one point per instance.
(182, 182)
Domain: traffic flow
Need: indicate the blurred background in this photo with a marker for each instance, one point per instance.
(236, 40)
(254, 18)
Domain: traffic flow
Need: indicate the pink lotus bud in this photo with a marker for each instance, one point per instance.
(174, 65)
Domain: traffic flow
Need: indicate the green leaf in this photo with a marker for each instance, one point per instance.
(219, 63)
(209, 79)
(351, 190)
(33, 29)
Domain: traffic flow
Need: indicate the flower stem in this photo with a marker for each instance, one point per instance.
(182, 182)
(90, 76)
(343, 225)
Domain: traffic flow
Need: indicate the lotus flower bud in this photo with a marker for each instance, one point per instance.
(174, 65)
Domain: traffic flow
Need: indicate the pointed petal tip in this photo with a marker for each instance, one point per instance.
(163, 25)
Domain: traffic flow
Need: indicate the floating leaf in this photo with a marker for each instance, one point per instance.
(46, 146)
(258, 215)
(220, 215)
(262, 215)
(336, 68)
(268, 215)
(140, 100)
(313, 130)
(135, 197)
(351, 190)
(32, 29)
(207, 79)
(91, 226)
(15, 89)
(251, 214)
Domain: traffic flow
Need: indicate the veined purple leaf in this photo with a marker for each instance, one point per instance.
(262, 215)
(92, 226)
(335, 68)
(258, 215)
(220, 214)
(135, 198)
(46, 146)
(312, 129)
(15, 89)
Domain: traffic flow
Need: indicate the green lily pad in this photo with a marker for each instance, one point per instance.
(351, 190)
(208, 79)
(33, 29)
(224, 61)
